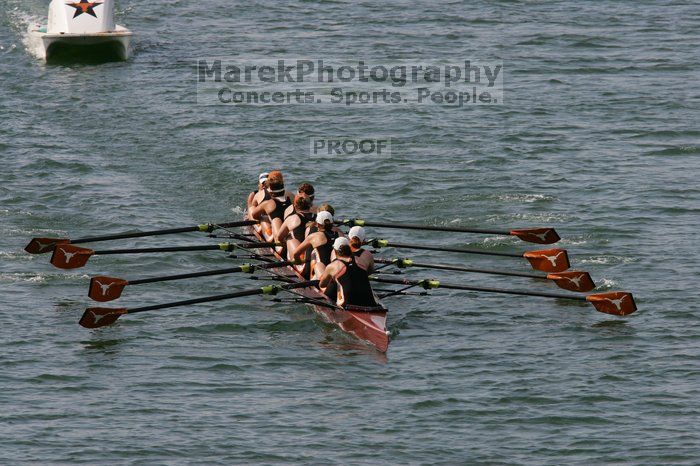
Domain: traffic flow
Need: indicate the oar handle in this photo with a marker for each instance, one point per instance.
(247, 268)
(271, 289)
(537, 235)
(383, 243)
(437, 284)
(406, 226)
(206, 227)
(105, 252)
(401, 263)
(183, 276)
(515, 292)
(188, 302)
(170, 231)
(209, 247)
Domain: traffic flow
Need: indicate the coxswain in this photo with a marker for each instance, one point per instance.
(344, 280)
(274, 207)
(256, 197)
(363, 257)
(320, 243)
(293, 229)
(305, 189)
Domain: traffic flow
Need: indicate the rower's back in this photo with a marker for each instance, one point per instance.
(353, 285)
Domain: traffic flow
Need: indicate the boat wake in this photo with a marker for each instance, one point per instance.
(31, 277)
(21, 22)
(32, 44)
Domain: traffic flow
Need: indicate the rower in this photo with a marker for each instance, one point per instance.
(321, 244)
(327, 208)
(256, 197)
(362, 256)
(305, 189)
(274, 207)
(352, 286)
(293, 228)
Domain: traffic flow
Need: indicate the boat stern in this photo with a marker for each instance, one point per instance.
(81, 29)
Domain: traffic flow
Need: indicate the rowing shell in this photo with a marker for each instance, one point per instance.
(367, 324)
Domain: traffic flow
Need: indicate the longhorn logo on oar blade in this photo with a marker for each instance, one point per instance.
(618, 303)
(573, 280)
(548, 260)
(67, 256)
(105, 289)
(44, 245)
(537, 235)
(95, 317)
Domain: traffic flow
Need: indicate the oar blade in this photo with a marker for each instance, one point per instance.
(68, 256)
(537, 235)
(573, 280)
(619, 303)
(103, 288)
(44, 245)
(548, 260)
(96, 317)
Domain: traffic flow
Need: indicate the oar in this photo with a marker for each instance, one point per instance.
(531, 235)
(67, 256)
(103, 288)
(95, 317)
(573, 280)
(544, 260)
(619, 303)
(43, 245)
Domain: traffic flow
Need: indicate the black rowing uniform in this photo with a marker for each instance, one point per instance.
(359, 253)
(330, 237)
(353, 287)
(265, 198)
(298, 234)
(304, 218)
(323, 252)
(280, 207)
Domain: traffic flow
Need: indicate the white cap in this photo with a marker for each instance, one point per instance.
(357, 232)
(322, 216)
(263, 177)
(340, 241)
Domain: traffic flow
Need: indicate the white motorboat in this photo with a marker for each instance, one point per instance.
(78, 28)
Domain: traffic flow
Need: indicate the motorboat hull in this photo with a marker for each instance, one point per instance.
(106, 45)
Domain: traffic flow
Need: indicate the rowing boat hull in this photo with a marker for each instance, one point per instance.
(366, 326)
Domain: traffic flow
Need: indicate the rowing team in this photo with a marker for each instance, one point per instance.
(312, 241)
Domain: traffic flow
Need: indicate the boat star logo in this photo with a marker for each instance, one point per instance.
(83, 6)
(104, 287)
